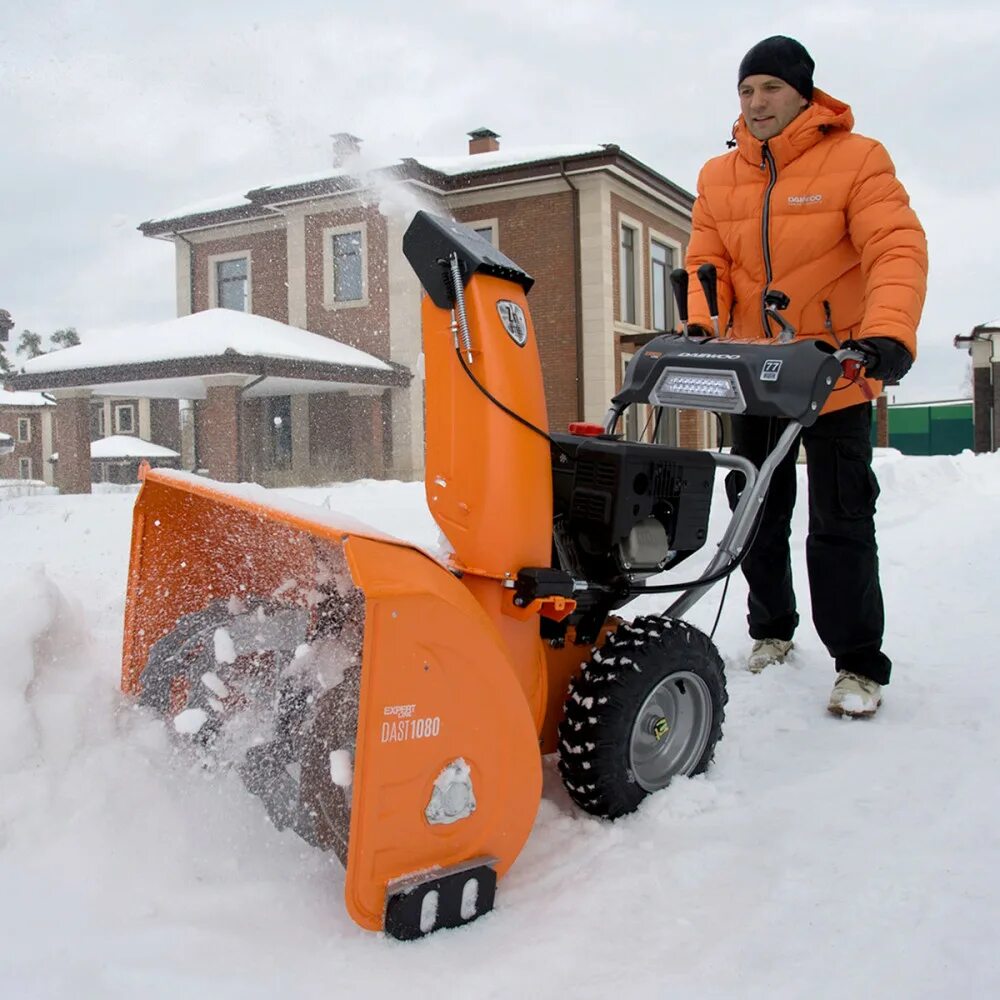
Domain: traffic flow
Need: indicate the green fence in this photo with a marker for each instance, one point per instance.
(930, 429)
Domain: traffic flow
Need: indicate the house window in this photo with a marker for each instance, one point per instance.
(487, 234)
(626, 268)
(345, 266)
(124, 418)
(232, 283)
(348, 270)
(97, 421)
(661, 264)
(277, 432)
(24, 429)
(24, 468)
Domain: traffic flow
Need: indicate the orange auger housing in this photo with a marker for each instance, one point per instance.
(455, 692)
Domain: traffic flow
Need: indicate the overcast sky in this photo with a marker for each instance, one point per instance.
(114, 113)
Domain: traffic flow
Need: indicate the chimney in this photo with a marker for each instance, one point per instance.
(345, 146)
(483, 140)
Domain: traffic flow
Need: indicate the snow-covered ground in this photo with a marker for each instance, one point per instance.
(819, 857)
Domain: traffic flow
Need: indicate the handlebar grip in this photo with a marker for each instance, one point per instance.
(708, 277)
(679, 280)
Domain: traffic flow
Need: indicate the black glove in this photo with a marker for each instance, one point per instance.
(697, 330)
(886, 359)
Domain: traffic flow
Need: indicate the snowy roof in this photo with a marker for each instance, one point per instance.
(211, 333)
(23, 399)
(126, 446)
(455, 165)
(217, 204)
(363, 171)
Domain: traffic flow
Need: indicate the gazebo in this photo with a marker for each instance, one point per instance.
(223, 358)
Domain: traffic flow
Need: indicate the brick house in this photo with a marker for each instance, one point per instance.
(599, 230)
(28, 418)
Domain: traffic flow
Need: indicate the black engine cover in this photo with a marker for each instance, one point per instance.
(603, 487)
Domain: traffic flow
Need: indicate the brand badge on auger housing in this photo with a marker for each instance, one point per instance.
(512, 317)
(770, 371)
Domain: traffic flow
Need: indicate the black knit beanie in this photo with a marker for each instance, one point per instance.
(784, 58)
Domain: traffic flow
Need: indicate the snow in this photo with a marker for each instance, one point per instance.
(216, 204)
(208, 333)
(9, 398)
(455, 165)
(341, 768)
(190, 720)
(225, 649)
(128, 446)
(818, 857)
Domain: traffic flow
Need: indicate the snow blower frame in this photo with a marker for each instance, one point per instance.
(390, 705)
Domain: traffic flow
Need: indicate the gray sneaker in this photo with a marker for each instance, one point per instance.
(854, 695)
(768, 651)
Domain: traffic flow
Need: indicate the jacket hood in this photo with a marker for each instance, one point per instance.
(824, 114)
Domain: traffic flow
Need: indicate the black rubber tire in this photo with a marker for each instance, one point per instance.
(605, 699)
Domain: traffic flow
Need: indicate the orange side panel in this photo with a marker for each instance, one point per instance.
(488, 478)
(436, 688)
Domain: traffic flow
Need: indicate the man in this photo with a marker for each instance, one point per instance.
(804, 206)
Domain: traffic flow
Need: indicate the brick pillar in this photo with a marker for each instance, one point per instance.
(377, 469)
(882, 421)
(301, 461)
(219, 439)
(73, 441)
(982, 409)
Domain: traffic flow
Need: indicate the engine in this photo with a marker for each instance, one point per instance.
(627, 510)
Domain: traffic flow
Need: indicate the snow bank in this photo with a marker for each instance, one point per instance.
(818, 857)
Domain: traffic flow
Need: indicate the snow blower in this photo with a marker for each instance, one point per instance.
(393, 706)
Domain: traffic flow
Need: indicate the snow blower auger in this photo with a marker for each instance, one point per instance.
(390, 706)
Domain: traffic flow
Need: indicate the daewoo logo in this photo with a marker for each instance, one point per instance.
(804, 199)
(706, 356)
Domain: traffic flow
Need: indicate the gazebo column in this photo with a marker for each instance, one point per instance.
(73, 440)
(219, 438)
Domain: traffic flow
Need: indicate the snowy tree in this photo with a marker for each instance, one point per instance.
(65, 338)
(30, 343)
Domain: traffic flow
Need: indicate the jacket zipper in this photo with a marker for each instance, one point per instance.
(764, 227)
(828, 314)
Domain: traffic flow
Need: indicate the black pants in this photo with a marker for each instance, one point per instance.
(841, 553)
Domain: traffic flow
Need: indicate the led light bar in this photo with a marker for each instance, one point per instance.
(699, 389)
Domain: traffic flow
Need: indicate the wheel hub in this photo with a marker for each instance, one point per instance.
(671, 730)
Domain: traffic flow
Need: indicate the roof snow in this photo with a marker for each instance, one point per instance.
(126, 446)
(455, 165)
(24, 398)
(361, 168)
(202, 334)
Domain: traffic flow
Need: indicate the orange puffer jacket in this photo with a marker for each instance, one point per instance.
(817, 213)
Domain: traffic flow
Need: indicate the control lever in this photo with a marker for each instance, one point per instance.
(852, 363)
(709, 279)
(679, 281)
(773, 302)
